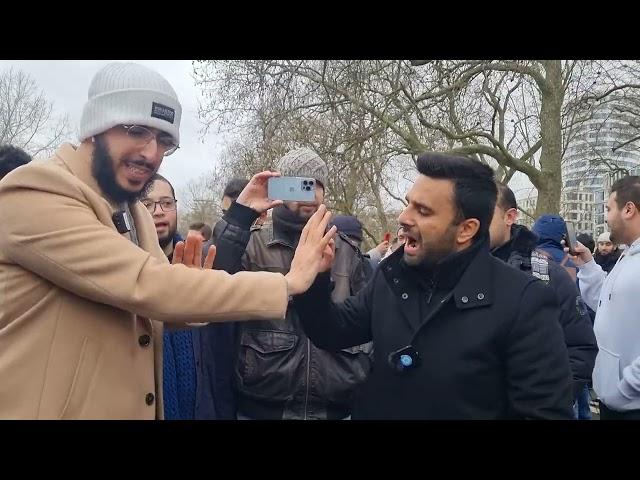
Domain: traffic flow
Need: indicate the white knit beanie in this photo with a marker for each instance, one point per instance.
(303, 162)
(604, 237)
(130, 94)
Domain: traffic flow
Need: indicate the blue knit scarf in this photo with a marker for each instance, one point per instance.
(179, 372)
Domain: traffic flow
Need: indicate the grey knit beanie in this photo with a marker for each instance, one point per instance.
(130, 94)
(303, 162)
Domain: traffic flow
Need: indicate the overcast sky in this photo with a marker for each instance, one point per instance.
(66, 83)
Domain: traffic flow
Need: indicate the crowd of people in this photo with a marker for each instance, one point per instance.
(108, 313)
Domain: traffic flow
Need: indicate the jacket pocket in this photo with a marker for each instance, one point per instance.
(606, 374)
(360, 358)
(83, 377)
(268, 364)
(343, 372)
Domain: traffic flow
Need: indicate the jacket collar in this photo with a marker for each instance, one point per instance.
(470, 290)
(277, 236)
(78, 161)
(523, 241)
(475, 288)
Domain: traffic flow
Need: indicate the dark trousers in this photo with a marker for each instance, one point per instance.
(608, 414)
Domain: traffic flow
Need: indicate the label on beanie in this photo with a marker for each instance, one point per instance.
(163, 112)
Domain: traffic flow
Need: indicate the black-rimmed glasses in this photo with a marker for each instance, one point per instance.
(167, 204)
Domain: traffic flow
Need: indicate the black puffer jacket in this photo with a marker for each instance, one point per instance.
(280, 374)
(574, 319)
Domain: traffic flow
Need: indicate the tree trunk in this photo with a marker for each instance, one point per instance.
(552, 95)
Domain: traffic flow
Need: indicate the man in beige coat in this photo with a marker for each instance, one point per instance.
(84, 285)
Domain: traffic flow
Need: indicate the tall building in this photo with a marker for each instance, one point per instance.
(576, 206)
(595, 156)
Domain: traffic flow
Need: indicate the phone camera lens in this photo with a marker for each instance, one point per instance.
(310, 182)
(304, 182)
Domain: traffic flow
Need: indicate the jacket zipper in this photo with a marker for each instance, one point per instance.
(306, 397)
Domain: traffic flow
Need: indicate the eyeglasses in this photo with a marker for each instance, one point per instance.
(142, 136)
(167, 204)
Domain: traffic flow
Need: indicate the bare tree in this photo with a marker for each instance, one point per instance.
(366, 162)
(27, 118)
(202, 199)
(517, 116)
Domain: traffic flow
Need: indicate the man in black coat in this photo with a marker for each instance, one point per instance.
(516, 245)
(457, 333)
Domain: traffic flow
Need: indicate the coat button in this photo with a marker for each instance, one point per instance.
(150, 398)
(464, 299)
(404, 296)
(480, 296)
(144, 340)
(396, 281)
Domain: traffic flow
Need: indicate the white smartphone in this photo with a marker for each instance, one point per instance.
(292, 189)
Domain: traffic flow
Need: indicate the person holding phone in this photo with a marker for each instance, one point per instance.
(616, 299)
(280, 373)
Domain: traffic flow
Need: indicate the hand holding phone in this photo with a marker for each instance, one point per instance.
(571, 238)
(292, 189)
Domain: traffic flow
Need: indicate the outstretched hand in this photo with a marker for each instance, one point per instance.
(189, 253)
(311, 255)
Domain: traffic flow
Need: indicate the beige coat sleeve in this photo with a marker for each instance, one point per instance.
(49, 226)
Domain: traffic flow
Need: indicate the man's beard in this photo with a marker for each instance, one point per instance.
(615, 234)
(105, 175)
(297, 210)
(436, 253)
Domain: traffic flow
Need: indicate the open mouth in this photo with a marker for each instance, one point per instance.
(411, 245)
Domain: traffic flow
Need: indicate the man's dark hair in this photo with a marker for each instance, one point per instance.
(587, 240)
(627, 190)
(234, 188)
(203, 228)
(11, 158)
(157, 176)
(474, 185)
(506, 199)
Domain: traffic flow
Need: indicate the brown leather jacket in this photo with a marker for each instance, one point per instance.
(280, 374)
